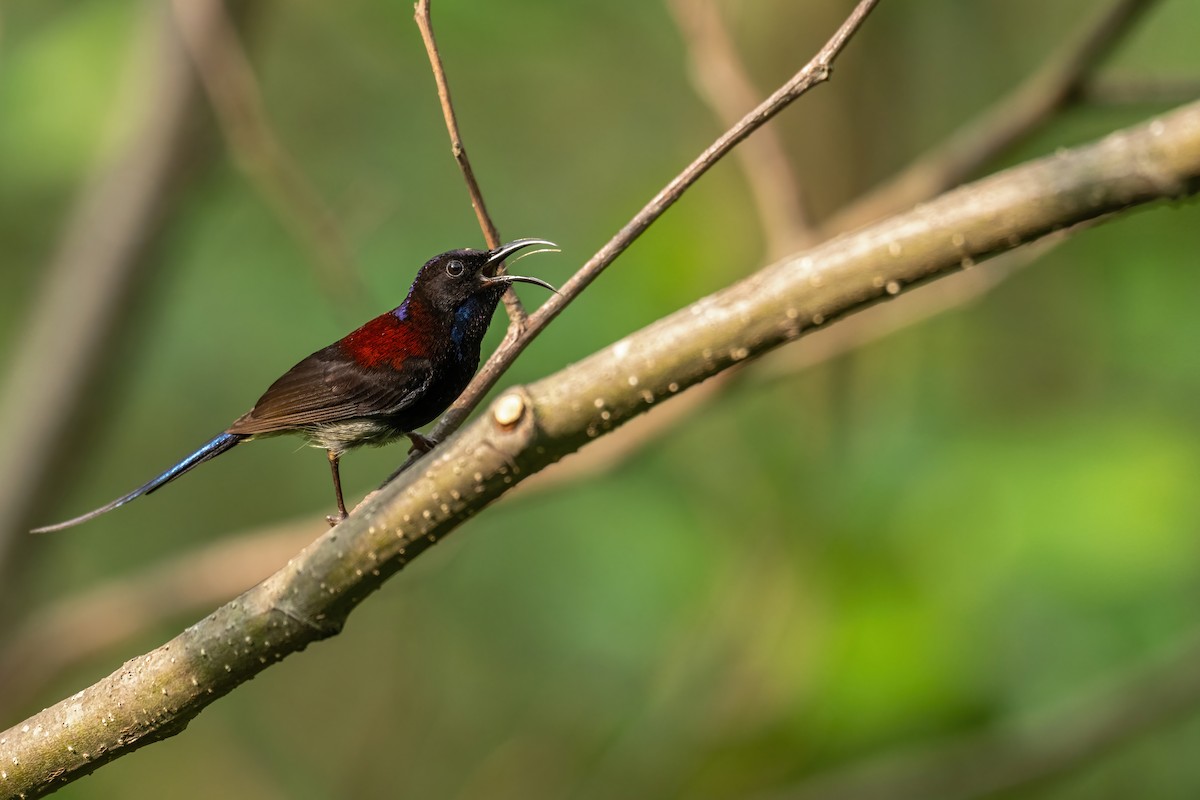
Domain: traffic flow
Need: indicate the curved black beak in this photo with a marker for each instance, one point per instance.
(505, 250)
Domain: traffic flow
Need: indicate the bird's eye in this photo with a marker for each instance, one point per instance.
(455, 269)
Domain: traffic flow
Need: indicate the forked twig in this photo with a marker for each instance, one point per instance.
(815, 72)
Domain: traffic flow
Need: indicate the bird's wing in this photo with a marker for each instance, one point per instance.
(328, 387)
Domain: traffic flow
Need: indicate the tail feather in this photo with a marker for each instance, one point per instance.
(212, 449)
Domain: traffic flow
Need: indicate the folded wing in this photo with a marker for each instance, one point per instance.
(328, 387)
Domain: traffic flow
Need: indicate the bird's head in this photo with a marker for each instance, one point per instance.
(448, 281)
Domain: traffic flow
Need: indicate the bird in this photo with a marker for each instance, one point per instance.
(381, 382)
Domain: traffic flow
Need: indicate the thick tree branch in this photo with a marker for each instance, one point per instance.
(155, 695)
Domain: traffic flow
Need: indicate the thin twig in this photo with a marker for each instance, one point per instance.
(1002, 125)
(233, 92)
(512, 304)
(722, 82)
(815, 72)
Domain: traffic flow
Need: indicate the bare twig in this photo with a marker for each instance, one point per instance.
(815, 72)
(1056, 84)
(512, 303)
(83, 303)
(721, 80)
(154, 696)
(232, 89)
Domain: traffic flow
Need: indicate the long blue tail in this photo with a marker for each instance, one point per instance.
(212, 449)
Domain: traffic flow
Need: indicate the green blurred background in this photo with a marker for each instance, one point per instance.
(984, 522)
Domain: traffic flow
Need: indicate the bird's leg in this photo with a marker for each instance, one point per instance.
(420, 444)
(334, 519)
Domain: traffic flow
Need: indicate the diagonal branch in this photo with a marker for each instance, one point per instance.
(154, 696)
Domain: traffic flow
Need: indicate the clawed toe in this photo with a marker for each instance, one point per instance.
(420, 444)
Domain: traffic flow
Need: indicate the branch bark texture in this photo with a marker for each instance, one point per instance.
(527, 428)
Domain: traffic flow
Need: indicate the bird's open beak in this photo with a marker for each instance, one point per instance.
(505, 250)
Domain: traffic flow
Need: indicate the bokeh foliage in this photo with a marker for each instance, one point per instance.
(966, 523)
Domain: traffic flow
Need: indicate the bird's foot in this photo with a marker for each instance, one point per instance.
(420, 444)
(335, 519)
